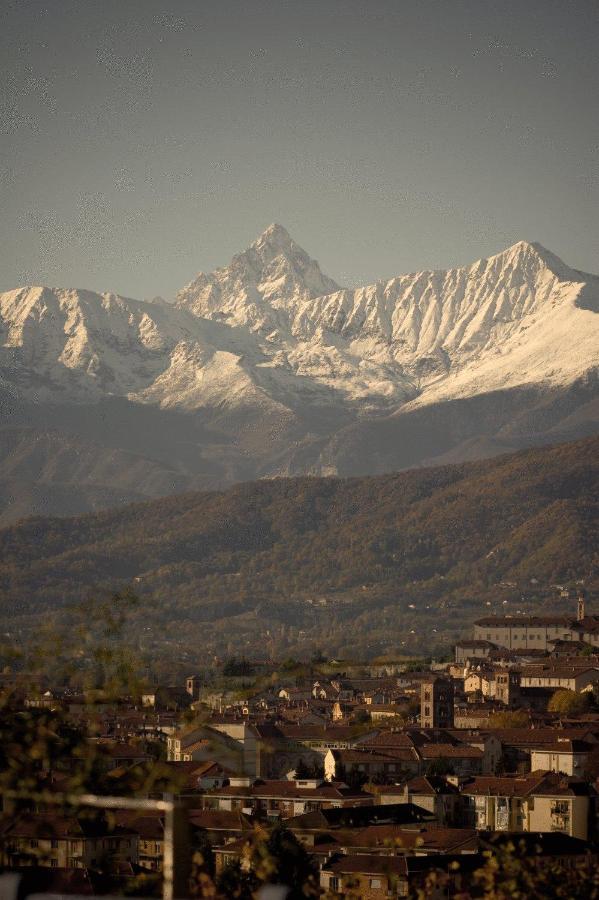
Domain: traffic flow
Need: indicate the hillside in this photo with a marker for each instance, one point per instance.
(294, 563)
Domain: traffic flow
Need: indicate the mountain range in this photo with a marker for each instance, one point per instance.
(267, 367)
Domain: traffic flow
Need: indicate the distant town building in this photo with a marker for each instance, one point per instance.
(538, 632)
(192, 686)
(507, 687)
(436, 703)
(523, 632)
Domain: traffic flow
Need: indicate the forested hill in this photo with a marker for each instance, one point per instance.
(340, 561)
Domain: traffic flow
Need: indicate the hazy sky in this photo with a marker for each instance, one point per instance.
(143, 141)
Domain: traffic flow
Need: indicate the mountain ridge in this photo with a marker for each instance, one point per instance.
(383, 551)
(275, 377)
(382, 344)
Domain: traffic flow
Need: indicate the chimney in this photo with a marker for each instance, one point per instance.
(580, 614)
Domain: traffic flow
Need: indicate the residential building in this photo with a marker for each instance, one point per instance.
(468, 650)
(435, 793)
(66, 842)
(280, 799)
(367, 876)
(567, 756)
(538, 801)
(340, 764)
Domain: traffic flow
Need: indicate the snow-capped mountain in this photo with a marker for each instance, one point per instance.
(270, 367)
(274, 273)
(424, 336)
(272, 328)
(79, 346)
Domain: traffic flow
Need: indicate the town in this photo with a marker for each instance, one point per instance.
(381, 774)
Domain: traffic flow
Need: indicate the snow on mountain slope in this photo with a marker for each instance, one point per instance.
(267, 367)
(500, 322)
(274, 273)
(272, 331)
(79, 346)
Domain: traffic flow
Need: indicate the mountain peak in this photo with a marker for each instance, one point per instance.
(276, 234)
(274, 271)
(523, 253)
(276, 241)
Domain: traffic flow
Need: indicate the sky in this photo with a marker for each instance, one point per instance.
(145, 141)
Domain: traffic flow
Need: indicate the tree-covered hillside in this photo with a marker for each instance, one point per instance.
(362, 564)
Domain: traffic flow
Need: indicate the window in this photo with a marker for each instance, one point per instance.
(54, 863)
(375, 883)
(33, 842)
(54, 843)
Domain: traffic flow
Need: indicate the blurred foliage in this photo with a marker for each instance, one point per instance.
(512, 871)
(272, 856)
(52, 703)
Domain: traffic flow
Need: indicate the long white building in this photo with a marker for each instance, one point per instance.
(538, 632)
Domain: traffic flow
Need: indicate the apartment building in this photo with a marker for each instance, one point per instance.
(538, 801)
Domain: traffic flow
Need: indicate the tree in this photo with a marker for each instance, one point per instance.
(204, 855)
(440, 766)
(517, 718)
(514, 869)
(39, 743)
(356, 779)
(269, 857)
(279, 858)
(316, 769)
(233, 882)
(302, 770)
(288, 665)
(237, 667)
(568, 703)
